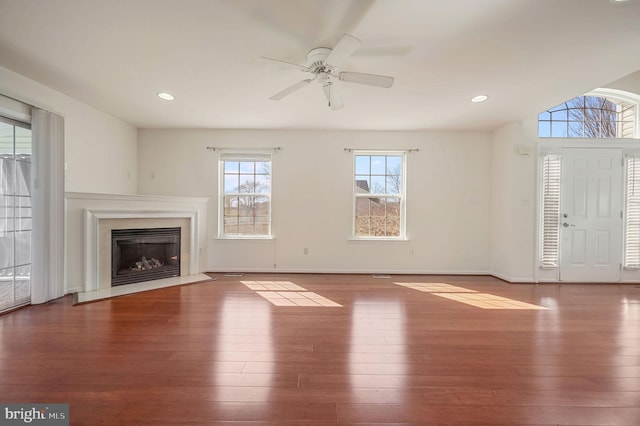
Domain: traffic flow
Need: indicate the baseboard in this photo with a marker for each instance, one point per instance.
(347, 271)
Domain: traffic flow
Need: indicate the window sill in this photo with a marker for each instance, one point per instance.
(378, 240)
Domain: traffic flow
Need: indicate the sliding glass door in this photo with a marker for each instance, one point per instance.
(15, 214)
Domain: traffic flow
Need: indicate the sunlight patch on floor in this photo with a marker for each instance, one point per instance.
(470, 297)
(436, 288)
(286, 293)
(272, 285)
(488, 301)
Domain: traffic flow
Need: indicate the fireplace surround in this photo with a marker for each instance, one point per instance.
(99, 225)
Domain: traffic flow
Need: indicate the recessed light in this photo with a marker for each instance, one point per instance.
(479, 98)
(166, 96)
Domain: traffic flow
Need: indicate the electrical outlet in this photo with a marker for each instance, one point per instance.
(305, 251)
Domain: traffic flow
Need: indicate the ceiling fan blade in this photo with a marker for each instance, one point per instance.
(301, 67)
(345, 47)
(368, 79)
(335, 103)
(289, 90)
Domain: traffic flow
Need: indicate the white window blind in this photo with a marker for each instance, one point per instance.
(632, 208)
(550, 211)
(628, 120)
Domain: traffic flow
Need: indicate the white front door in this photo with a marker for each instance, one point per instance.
(591, 215)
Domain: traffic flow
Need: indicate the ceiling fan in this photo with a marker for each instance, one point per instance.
(324, 65)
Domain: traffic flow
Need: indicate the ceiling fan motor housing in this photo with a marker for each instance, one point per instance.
(316, 60)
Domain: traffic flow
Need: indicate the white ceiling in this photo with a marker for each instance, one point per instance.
(527, 55)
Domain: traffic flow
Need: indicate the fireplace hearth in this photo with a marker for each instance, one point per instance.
(146, 254)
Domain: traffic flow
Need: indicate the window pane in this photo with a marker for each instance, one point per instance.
(22, 213)
(231, 166)
(23, 142)
(378, 164)
(231, 184)
(394, 164)
(559, 129)
(262, 184)
(377, 185)
(393, 217)
(394, 185)
(247, 184)
(262, 206)
(576, 129)
(363, 213)
(6, 249)
(363, 164)
(544, 129)
(230, 225)
(263, 167)
(247, 167)
(246, 206)
(23, 177)
(22, 283)
(6, 139)
(23, 247)
(7, 174)
(559, 115)
(7, 288)
(363, 184)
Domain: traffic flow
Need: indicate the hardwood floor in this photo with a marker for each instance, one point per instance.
(221, 352)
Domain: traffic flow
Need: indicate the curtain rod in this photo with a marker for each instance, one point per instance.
(382, 150)
(242, 148)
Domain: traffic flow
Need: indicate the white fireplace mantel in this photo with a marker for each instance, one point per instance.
(93, 218)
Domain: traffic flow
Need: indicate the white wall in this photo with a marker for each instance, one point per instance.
(100, 150)
(513, 189)
(448, 198)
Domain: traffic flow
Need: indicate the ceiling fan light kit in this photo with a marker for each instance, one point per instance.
(324, 63)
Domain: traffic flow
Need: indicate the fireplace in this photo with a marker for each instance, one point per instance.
(145, 254)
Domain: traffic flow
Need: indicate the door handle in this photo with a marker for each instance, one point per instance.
(566, 225)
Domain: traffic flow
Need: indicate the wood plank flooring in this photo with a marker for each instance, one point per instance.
(218, 352)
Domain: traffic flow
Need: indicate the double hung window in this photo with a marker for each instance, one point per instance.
(245, 196)
(379, 195)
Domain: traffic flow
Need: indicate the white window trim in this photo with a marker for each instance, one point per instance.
(623, 96)
(240, 155)
(403, 197)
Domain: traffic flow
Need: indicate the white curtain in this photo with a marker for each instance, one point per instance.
(47, 277)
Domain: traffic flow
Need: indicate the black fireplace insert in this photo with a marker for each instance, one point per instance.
(147, 254)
